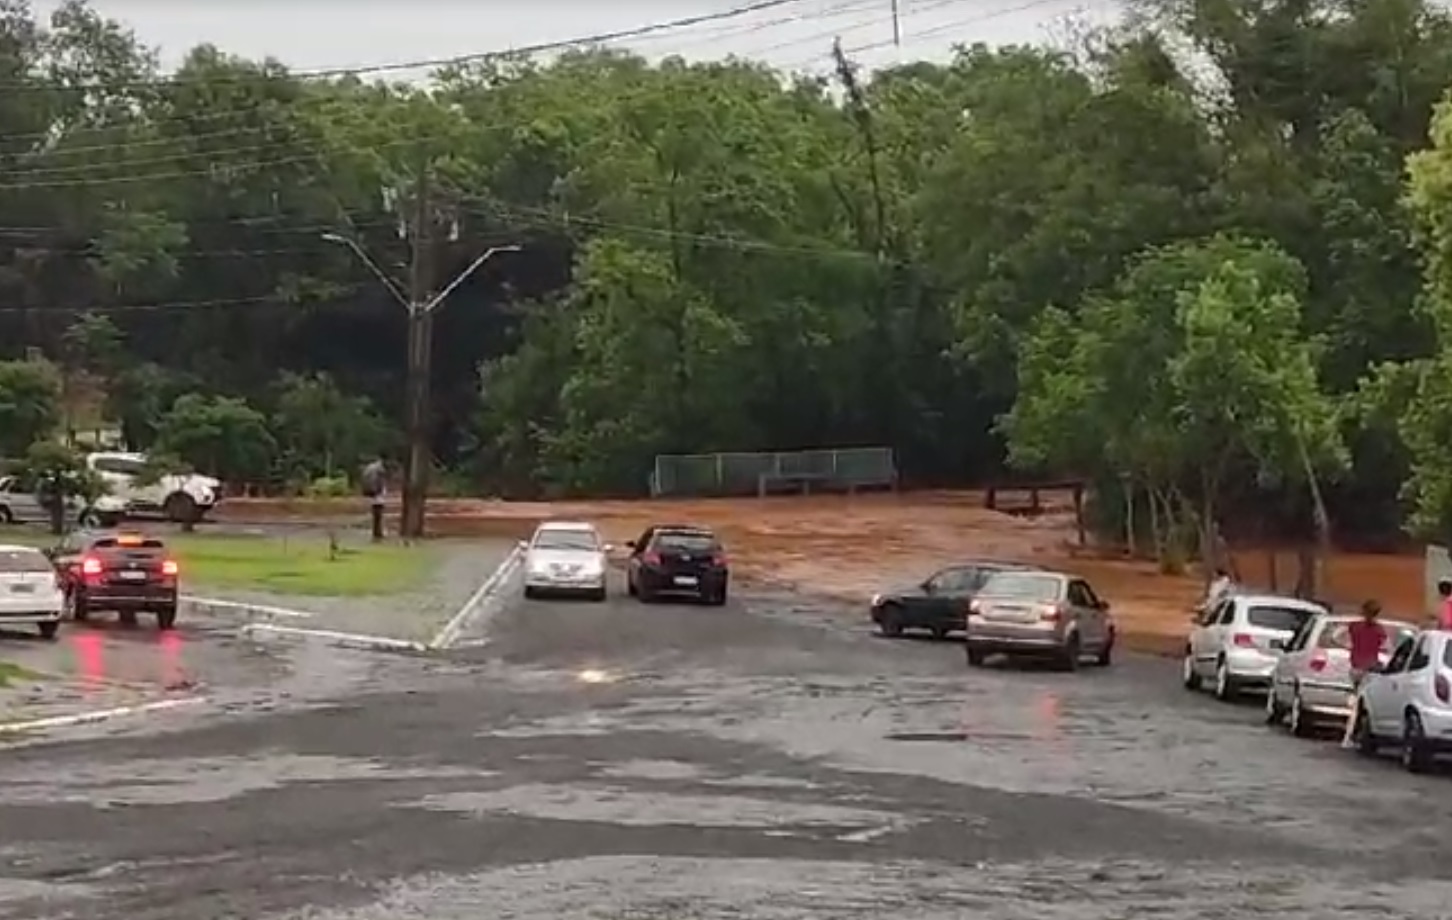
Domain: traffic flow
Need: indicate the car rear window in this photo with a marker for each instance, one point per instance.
(147, 543)
(1338, 635)
(24, 560)
(686, 542)
(1289, 619)
(566, 539)
(1029, 586)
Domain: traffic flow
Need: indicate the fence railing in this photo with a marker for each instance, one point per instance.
(754, 473)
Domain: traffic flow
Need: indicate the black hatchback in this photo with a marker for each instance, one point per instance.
(678, 560)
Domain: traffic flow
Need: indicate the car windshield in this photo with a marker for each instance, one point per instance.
(1288, 619)
(24, 560)
(686, 542)
(566, 539)
(1337, 635)
(1029, 586)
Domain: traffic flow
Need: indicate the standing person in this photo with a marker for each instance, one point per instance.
(1221, 587)
(1444, 609)
(1367, 638)
(375, 487)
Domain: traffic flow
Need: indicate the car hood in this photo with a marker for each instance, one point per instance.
(546, 558)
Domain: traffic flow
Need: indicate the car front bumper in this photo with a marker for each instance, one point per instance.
(552, 581)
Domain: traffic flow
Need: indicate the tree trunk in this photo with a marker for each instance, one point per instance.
(1129, 536)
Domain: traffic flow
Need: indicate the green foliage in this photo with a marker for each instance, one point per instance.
(218, 435)
(30, 394)
(322, 430)
(61, 477)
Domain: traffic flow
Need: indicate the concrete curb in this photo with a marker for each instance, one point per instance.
(449, 635)
(340, 639)
(98, 715)
(216, 607)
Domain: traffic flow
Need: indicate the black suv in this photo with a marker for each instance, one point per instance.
(125, 572)
(673, 559)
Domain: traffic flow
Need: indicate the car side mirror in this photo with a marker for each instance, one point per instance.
(1104, 606)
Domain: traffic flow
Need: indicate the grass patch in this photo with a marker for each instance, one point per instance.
(300, 565)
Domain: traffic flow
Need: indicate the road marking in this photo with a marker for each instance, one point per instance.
(98, 715)
(343, 639)
(868, 835)
(216, 605)
(449, 635)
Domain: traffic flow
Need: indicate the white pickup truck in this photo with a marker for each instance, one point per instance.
(176, 497)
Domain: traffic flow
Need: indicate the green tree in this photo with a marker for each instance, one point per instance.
(30, 393)
(219, 435)
(321, 430)
(62, 479)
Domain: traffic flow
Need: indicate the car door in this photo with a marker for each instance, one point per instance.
(1293, 659)
(1098, 611)
(25, 506)
(943, 594)
(637, 546)
(1202, 637)
(1381, 690)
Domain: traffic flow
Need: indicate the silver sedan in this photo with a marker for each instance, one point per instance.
(565, 557)
(1311, 683)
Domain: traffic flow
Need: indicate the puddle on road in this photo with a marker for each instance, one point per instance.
(621, 806)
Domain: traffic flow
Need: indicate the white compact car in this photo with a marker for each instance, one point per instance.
(565, 557)
(1408, 702)
(1237, 643)
(30, 591)
(1311, 684)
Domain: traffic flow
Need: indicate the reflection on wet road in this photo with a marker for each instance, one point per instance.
(767, 759)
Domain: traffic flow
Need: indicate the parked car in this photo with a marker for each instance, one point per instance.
(1310, 686)
(565, 557)
(177, 497)
(1408, 702)
(1238, 642)
(675, 559)
(20, 504)
(129, 573)
(1039, 614)
(30, 591)
(938, 604)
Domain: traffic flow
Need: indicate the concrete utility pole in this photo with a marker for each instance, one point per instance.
(420, 307)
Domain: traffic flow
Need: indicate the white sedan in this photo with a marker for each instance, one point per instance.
(30, 592)
(565, 557)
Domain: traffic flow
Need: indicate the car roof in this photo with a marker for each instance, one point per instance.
(683, 528)
(1033, 570)
(566, 525)
(1279, 600)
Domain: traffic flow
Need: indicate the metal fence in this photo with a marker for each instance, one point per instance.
(847, 468)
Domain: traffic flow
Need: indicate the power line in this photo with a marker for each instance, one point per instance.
(459, 60)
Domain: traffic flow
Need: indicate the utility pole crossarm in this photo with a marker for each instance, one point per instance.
(439, 298)
(373, 266)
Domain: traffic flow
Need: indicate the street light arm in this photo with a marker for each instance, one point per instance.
(363, 257)
(464, 276)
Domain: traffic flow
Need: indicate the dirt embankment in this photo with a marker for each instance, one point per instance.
(851, 547)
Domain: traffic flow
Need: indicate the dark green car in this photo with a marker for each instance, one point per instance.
(939, 604)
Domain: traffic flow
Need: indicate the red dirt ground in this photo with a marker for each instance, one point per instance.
(851, 547)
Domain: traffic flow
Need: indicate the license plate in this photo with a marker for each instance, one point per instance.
(22, 589)
(687, 581)
(132, 576)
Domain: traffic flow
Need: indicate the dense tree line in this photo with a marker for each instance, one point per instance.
(1204, 259)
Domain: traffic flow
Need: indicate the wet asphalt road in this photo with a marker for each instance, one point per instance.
(771, 759)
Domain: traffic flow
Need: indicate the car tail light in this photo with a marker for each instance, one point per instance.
(1442, 688)
(1051, 613)
(719, 560)
(169, 567)
(1317, 662)
(651, 558)
(1243, 640)
(90, 566)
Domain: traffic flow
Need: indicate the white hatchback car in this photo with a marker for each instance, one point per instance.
(30, 592)
(565, 557)
(1408, 702)
(1237, 642)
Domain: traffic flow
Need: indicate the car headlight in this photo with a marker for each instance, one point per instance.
(877, 600)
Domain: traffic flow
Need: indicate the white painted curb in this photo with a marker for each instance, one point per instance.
(341, 639)
(98, 715)
(212, 605)
(449, 635)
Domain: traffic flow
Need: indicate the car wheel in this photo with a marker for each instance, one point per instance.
(1069, 657)
(891, 622)
(643, 594)
(88, 519)
(530, 593)
(1188, 675)
(1106, 655)
(1225, 689)
(717, 598)
(166, 619)
(5, 516)
(1415, 756)
(180, 508)
(598, 596)
(630, 588)
(1299, 722)
(1361, 735)
(976, 655)
(48, 630)
(1275, 713)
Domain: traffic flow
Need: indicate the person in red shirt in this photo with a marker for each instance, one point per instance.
(1444, 611)
(1366, 637)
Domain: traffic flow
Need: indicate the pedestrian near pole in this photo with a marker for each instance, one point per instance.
(375, 486)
